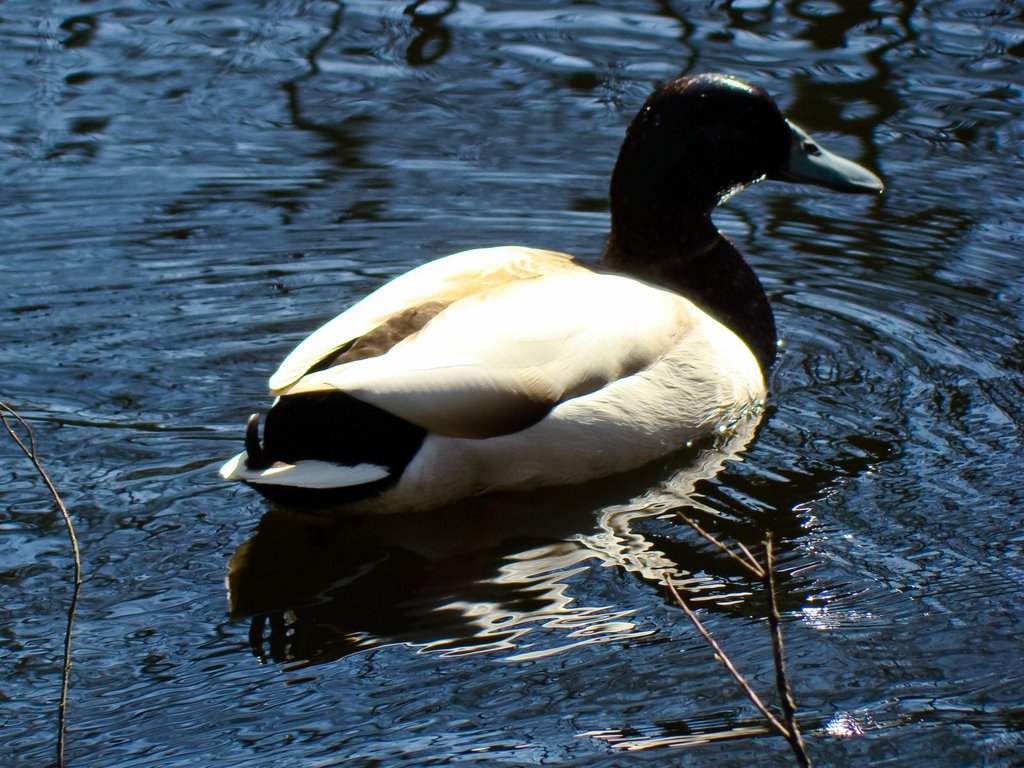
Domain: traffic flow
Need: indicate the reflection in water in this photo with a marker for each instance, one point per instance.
(517, 575)
(345, 141)
(493, 574)
(496, 574)
(433, 38)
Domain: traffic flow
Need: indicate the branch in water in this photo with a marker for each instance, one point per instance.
(788, 726)
(727, 662)
(29, 449)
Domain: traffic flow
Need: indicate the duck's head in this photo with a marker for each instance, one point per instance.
(696, 141)
(701, 138)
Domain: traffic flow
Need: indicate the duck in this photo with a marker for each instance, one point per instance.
(512, 367)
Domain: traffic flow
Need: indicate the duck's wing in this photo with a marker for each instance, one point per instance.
(409, 300)
(497, 361)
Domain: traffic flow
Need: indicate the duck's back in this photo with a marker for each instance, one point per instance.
(538, 372)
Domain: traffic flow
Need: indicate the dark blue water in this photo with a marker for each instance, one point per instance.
(187, 190)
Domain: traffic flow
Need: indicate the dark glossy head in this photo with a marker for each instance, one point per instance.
(701, 138)
(696, 141)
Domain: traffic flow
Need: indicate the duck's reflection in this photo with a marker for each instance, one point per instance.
(501, 573)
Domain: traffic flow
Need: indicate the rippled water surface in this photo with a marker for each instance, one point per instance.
(189, 188)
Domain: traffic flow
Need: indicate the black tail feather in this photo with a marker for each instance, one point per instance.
(333, 427)
(336, 427)
(255, 457)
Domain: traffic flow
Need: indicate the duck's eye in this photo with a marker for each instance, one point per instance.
(811, 149)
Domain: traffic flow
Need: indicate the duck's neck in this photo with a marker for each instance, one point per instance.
(691, 257)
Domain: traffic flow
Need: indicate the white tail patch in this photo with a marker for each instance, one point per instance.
(308, 473)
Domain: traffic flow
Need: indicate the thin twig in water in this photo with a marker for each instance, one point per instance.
(749, 562)
(758, 569)
(788, 727)
(794, 736)
(29, 450)
(727, 662)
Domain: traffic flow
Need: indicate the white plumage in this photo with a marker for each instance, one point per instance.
(514, 367)
(623, 372)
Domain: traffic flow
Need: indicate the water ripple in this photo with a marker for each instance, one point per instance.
(189, 189)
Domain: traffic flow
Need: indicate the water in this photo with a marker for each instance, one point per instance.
(189, 190)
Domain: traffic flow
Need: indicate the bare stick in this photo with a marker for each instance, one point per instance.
(794, 736)
(759, 570)
(727, 662)
(790, 729)
(30, 452)
(749, 562)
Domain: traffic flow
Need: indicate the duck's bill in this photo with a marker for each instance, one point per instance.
(811, 163)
